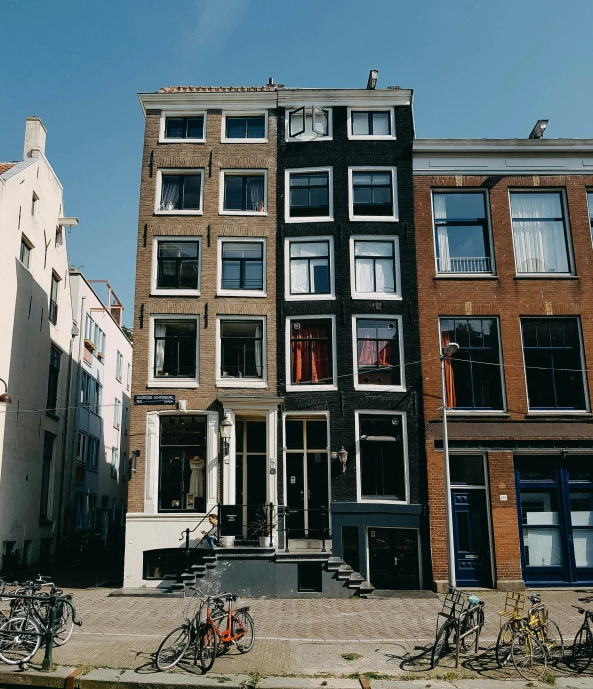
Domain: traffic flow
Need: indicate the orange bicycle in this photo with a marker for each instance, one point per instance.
(223, 628)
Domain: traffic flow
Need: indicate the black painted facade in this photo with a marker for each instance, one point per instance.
(340, 153)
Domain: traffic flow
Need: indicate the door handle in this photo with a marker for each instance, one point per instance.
(395, 561)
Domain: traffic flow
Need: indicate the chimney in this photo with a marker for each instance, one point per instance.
(35, 134)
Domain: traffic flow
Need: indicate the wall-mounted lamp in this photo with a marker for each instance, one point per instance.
(226, 430)
(5, 398)
(134, 456)
(343, 457)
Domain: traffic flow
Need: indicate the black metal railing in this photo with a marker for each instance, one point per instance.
(300, 523)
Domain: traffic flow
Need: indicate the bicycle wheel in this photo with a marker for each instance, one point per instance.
(582, 649)
(20, 640)
(471, 625)
(207, 642)
(441, 644)
(553, 642)
(173, 647)
(529, 656)
(504, 643)
(243, 622)
(64, 624)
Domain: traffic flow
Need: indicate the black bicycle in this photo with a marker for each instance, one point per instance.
(582, 647)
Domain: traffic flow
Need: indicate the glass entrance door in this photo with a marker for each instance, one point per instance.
(555, 499)
(251, 476)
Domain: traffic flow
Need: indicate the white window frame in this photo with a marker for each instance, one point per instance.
(129, 376)
(35, 206)
(309, 134)
(119, 365)
(167, 382)
(567, 232)
(117, 413)
(400, 336)
(373, 218)
(242, 382)
(175, 292)
(558, 412)
(290, 386)
(241, 292)
(589, 194)
(372, 137)
(25, 240)
(464, 190)
(330, 191)
(332, 278)
(404, 425)
(254, 172)
(383, 296)
(243, 113)
(178, 171)
(114, 462)
(164, 140)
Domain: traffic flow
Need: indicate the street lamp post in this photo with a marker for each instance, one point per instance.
(446, 353)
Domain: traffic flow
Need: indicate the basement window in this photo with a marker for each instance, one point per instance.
(310, 577)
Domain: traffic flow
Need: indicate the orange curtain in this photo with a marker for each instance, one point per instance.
(450, 396)
(311, 358)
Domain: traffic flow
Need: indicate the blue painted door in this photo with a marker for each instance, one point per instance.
(471, 537)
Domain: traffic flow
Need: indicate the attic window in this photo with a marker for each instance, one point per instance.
(309, 123)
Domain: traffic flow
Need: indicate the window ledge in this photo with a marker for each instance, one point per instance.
(465, 276)
(310, 388)
(240, 293)
(244, 140)
(316, 218)
(179, 212)
(373, 218)
(172, 383)
(241, 383)
(379, 388)
(310, 297)
(182, 141)
(256, 214)
(175, 293)
(546, 276)
(540, 414)
(377, 296)
(52, 415)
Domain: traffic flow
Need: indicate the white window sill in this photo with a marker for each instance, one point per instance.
(244, 141)
(182, 141)
(377, 296)
(372, 137)
(175, 293)
(178, 212)
(307, 139)
(373, 218)
(467, 276)
(319, 218)
(240, 293)
(559, 412)
(241, 383)
(546, 276)
(173, 383)
(380, 388)
(310, 297)
(378, 501)
(310, 388)
(257, 214)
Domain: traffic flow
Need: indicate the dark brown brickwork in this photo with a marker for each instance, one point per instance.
(212, 155)
(508, 298)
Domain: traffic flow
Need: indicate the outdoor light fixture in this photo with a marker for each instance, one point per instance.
(226, 429)
(5, 398)
(373, 76)
(343, 457)
(446, 352)
(135, 455)
(538, 131)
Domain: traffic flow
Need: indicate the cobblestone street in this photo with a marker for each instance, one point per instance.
(299, 637)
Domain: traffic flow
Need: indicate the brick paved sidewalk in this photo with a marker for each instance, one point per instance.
(299, 637)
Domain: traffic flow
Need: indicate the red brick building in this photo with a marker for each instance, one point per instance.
(504, 272)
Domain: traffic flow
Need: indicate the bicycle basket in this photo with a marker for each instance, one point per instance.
(514, 604)
(454, 603)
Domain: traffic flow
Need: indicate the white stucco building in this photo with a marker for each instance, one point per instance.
(100, 424)
(35, 342)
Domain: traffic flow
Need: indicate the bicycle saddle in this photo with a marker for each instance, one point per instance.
(535, 598)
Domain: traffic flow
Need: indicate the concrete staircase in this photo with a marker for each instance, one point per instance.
(214, 572)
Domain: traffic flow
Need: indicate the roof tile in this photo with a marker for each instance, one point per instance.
(5, 166)
(218, 89)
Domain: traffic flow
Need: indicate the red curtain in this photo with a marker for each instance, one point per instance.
(367, 353)
(311, 358)
(450, 396)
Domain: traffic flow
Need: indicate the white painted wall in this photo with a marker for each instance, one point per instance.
(26, 336)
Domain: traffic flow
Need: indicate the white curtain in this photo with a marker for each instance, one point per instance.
(169, 192)
(440, 213)
(302, 279)
(258, 351)
(160, 330)
(369, 258)
(540, 245)
(255, 193)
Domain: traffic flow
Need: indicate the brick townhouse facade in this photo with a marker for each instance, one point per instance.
(504, 232)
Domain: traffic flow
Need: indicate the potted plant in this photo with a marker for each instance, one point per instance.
(261, 526)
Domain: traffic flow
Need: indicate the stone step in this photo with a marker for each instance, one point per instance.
(345, 571)
(355, 580)
(198, 568)
(365, 590)
(301, 556)
(187, 577)
(334, 564)
(178, 586)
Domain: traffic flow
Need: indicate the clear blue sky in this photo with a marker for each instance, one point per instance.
(478, 69)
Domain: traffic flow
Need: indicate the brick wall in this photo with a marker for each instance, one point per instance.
(215, 155)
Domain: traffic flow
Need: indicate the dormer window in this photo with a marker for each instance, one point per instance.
(308, 123)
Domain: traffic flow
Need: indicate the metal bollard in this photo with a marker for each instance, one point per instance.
(46, 666)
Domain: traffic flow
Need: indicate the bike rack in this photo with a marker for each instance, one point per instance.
(456, 608)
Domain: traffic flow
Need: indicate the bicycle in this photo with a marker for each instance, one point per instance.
(528, 654)
(204, 635)
(582, 647)
(467, 622)
(547, 631)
